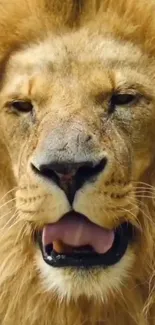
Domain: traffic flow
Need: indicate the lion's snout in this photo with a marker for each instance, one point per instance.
(69, 159)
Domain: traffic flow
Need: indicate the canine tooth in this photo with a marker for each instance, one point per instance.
(58, 246)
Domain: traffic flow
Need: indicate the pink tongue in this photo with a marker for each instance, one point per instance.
(77, 231)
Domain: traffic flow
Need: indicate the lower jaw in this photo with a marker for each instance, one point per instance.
(123, 237)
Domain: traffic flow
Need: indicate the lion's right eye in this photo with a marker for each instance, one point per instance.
(123, 99)
(22, 106)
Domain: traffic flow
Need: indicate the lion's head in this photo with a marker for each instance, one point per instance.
(77, 116)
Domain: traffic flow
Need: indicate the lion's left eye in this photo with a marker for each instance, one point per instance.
(122, 99)
(22, 106)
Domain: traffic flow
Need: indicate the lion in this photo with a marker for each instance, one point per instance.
(77, 167)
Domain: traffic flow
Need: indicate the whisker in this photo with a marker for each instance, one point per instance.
(13, 225)
(10, 219)
(6, 214)
(7, 223)
(20, 233)
(13, 189)
(144, 187)
(142, 211)
(143, 183)
(3, 205)
(127, 210)
(9, 211)
(145, 196)
(133, 215)
(143, 190)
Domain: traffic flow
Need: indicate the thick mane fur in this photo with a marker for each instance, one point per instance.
(22, 299)
(122, 18)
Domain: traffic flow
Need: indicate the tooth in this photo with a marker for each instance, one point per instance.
(58, 246)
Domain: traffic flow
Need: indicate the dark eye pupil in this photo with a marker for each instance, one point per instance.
(22, 106)
(122, 99)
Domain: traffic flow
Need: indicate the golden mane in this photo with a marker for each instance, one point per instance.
(25, 18)
(22, 22)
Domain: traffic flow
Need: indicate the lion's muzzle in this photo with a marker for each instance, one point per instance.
(69, 159)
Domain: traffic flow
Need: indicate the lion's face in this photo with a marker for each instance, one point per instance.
(78, 114)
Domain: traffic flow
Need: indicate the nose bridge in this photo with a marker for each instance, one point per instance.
(66, 141)
(69, 140)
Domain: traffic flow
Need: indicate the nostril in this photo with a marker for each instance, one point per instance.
(43, 170)
(86, 173)
(90, 170)
(80, 172)
(89, 138)
(70, 176)
(65, 168)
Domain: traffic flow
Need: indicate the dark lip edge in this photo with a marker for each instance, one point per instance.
(126, 231)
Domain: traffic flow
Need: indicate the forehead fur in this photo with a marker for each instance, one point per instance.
(91, 62)
(82, 46)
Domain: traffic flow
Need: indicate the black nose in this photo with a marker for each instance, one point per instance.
(70, 176)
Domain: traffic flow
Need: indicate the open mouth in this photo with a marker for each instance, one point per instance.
(74, 241)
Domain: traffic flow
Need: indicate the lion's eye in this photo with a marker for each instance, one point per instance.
(22, 106)
(122, 99)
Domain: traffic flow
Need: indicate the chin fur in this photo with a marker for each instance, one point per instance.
(97, 283)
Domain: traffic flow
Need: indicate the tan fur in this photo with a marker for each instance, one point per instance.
(68, 60)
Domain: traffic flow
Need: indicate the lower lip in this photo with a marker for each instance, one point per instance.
(123, 237)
